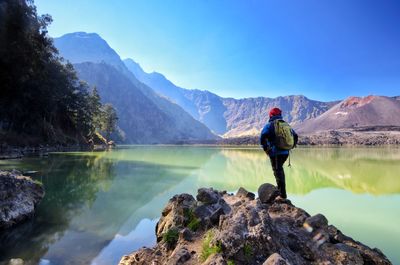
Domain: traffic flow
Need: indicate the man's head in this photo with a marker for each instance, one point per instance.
(274, 112)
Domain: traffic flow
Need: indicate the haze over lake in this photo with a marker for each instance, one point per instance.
(102, 205)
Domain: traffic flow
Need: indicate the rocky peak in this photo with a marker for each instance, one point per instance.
(355, 102)
(222, 228)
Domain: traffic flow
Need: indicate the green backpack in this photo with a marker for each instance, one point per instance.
(283, 135)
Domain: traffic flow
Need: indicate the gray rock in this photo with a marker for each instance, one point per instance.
(317, 221)
(242, 192)
(208, 196)
(174, 214)
(275, 259)
(19, 196)
(179, 256)
(214, 218)
(203, 212)
(185, 234)
(267, 193)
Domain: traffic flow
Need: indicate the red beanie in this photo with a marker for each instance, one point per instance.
(274, 112)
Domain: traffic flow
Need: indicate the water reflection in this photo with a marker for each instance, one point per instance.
(101, 205)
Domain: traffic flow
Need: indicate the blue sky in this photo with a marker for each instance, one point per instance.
(325, 50)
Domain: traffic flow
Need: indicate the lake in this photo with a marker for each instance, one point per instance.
(102, 205)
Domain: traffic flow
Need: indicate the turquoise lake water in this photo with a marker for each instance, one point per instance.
(102, 205)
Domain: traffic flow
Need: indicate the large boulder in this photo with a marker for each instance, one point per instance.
(208, 196)
(175, 214)
(19, 196)
(263, 231)
(267, 193)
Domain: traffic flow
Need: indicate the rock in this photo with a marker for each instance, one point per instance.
(19, 196)
(344, 254)
(275, 259)
(203, 212)
(179, 256)
(211, 206)
(216, 259)
(185, 234)
(242, 192)
(267, 193)
(16, 262)
(208, 196)
(175, 214)
(251, 232)
(317, 221)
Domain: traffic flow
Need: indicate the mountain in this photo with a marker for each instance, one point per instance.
(164, 87)
(145, 116)
(228, 116)
(81, 47)
(356, 112)
(248, 116)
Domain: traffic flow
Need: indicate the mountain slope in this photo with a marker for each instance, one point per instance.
(145, 116)
(248, 116)
(164, 87)
(228, 116)
(81, 47)
(354, 112)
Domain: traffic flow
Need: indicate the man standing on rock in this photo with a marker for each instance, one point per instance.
(277, 138)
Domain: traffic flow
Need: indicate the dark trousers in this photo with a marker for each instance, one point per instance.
(277, 166)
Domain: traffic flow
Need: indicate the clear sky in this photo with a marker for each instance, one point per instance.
(325, 50)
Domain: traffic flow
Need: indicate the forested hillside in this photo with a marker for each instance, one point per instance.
(41, 99)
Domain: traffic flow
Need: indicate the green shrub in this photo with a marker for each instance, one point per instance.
(171, 236)
(193, 223)
(208, 249)
(230, 262)
(248, 251)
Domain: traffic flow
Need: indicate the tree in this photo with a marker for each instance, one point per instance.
(109, 120)
(41, 97)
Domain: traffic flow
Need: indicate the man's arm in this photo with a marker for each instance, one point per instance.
(264, 136)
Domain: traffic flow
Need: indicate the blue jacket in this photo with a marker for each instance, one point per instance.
(267, 138)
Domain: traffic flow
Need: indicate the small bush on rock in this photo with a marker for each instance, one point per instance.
(208, 249)
(248, 251)
(193, 222)
(171, 236)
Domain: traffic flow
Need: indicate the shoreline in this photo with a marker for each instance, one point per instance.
(19, 153)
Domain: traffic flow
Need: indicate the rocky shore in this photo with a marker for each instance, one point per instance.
(347, 137)
(19, 196)
(352, 137)
(13, 152)
(224, 229)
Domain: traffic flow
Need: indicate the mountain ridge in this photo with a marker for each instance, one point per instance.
(102, 67)
(225, 116)
(356, 112)
(228, 117)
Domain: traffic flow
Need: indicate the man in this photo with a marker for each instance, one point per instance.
(277, 138)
